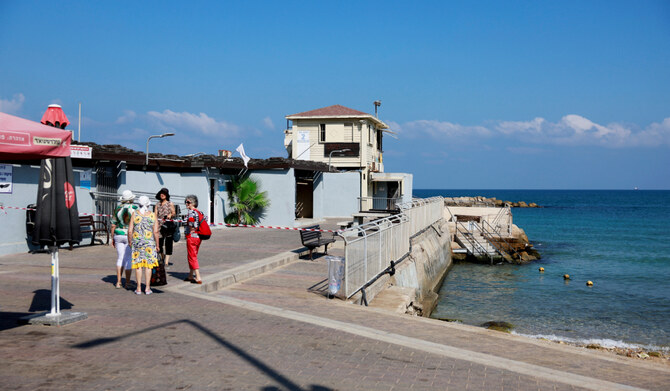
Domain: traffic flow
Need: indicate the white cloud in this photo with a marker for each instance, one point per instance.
(511, 127)
(189, 122)
(654, 134)
(12, 106)
(570, 130)
(440, 129)
(127, 117)
(267, 121)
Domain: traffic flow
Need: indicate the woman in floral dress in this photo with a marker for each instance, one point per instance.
(143, 234)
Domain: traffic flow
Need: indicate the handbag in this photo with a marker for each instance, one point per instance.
(177, 233)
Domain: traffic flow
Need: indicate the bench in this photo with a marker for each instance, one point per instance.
(88, 225)
(313, 239)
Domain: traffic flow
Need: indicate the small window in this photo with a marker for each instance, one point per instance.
(322, 133)
(349, 130)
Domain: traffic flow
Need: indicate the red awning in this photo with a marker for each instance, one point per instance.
(54, 116)
(24, 139)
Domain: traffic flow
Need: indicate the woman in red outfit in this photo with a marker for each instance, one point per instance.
(192, 239)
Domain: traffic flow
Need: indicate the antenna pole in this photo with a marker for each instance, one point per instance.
(79, 136)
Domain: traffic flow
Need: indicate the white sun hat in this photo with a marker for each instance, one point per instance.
(126, 196)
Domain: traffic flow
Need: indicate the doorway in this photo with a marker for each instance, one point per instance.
(304, 194)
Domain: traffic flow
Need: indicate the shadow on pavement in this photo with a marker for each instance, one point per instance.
(10, 320)
(42, 301)
(285, 382)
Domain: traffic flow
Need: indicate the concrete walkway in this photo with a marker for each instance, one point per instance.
(262, 321)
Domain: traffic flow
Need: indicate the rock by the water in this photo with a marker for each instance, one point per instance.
(483, 201)
(505, 327)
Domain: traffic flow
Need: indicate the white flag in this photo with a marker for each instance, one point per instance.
(245, 158)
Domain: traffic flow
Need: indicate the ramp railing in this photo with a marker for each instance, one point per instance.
(370, 248)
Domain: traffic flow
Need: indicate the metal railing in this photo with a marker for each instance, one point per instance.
(378, 203)
(370, 248)
(476, 248)
(501, 243)
(504, 212)
(423, 212)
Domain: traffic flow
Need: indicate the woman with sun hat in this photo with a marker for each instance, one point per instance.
(143, 234)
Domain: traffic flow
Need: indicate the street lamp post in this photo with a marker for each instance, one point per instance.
(330, 155)
(146, 162)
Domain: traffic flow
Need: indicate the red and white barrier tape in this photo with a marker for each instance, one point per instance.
(222, 224)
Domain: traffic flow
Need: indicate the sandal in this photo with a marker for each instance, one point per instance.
(196, 281)
(138, 292)
(189, 279)
(117, 286)
(148, 292)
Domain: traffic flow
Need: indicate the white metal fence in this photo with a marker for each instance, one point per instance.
(369, 248)
(423, 212)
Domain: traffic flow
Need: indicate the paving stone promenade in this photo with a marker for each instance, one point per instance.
(247, 330)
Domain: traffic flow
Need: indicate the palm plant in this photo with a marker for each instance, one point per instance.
(245, 201)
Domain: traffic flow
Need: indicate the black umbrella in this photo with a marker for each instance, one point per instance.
(57, 217)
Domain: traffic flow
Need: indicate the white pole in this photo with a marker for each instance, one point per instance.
(79, 136)
(55, 283)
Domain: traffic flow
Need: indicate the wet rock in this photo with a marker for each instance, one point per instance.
(450, 320)
(593, 346)
(496, 325)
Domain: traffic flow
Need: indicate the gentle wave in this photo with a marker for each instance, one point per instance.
(605, 343)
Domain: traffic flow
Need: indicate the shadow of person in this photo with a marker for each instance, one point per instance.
(42, 301)
(178, 275)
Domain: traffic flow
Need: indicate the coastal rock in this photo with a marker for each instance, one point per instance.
(483, 201)
(498, 325)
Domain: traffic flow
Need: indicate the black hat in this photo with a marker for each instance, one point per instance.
(163, 191)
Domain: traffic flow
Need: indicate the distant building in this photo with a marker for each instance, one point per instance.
(348, 140)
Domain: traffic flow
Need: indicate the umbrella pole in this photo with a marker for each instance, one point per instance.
(55, 283)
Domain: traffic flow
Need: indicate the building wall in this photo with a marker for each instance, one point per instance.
(336, 131)
(336, 194)
(180, 185)
(25, 179)
(280, 186)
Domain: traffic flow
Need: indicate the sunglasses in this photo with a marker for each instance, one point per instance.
(187, 202)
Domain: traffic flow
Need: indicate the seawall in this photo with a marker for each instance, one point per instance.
(413, 288)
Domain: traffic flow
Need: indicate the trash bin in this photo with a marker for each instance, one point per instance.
(335, 275)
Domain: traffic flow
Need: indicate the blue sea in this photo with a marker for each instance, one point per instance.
(620, 240)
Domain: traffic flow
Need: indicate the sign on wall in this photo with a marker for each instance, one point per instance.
(81, 151)
(303, 145)
(85, 179)
(6, 178)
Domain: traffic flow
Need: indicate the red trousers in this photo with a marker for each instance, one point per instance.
(192, 247)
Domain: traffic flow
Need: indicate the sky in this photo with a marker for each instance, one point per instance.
(482, 95)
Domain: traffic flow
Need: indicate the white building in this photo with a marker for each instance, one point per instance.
(348, 140)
